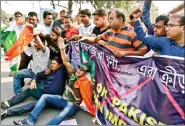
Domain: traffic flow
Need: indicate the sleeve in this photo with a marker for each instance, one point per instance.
(39, 76)
(46, 54)
(137, 43)
(47, 37)
(150, 40)
(146, 16)
(94, 30)
(86, 92)
(105, 36)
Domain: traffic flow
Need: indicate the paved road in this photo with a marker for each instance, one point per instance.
(82, 117)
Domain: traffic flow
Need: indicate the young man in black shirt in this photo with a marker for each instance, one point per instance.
(101, 22)
(51, 39)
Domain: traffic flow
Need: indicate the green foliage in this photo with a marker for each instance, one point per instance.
(126, 6)
(112, 4)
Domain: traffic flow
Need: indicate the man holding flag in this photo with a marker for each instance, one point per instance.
(10, 34)
(38, 51)
(25, 37)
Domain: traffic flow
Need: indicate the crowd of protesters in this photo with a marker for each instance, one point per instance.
(57, 82)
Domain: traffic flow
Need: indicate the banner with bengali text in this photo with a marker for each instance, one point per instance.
(136, 90)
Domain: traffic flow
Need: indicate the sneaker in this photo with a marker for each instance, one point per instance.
(5, 105)
(3, 114)
(20, 122)
(94, 120)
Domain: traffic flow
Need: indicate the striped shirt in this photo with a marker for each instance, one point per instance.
(122, 40)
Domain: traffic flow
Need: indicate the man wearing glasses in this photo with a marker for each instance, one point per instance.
(172, 44)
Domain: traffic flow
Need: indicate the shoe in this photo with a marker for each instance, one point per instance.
(5, 105)
(3, 114)
(94, 120)
(20, 122)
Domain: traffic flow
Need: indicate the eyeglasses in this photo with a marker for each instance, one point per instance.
(17, 16)
(172, 25)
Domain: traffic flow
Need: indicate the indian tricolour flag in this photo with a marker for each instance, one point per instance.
(9, 36)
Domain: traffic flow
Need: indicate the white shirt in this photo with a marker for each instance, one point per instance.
(40, 59)
(86, 31)
(46, 29)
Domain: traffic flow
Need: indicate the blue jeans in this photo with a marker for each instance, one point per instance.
(36, 93)
(68, 108)
(17, 80)
(21, 109)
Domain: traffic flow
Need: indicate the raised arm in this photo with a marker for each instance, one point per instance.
(64, 57)
(146, 16)
(39, 42)
(150, 40)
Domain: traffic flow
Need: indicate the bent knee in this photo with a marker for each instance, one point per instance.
(45, 96)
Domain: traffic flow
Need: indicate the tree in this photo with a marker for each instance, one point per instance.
(57, 3)
(70, 5)
(125, 6)
(111, 4)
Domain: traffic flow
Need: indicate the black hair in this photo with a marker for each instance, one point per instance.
(32, 14)
(18, 12)
(131, 17)
(58, 59)
(46, 13)
(162, 18)
(118, 14)
(68, 17)
(59, 31)
(10, 19)
(43, 40)
(63, 11)
(181, 22)
(86, 12)
(100, 12)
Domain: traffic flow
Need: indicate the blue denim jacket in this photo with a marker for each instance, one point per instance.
(146, 17)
